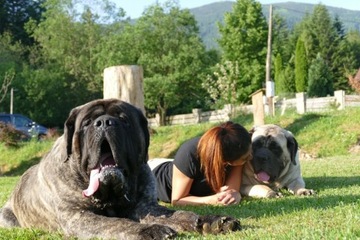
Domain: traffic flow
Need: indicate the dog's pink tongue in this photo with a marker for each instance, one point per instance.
(93, 184)
(263, 176)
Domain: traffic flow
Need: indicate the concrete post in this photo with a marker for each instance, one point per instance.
(301, 102)
(197, 115)
(228, 108)
(340, 99)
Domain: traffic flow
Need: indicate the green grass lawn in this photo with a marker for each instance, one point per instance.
(334, 213)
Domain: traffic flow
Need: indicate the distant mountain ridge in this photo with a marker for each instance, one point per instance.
(208, 15)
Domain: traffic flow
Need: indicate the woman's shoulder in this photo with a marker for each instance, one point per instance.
(189, 147)
(186, 159)
(188, 150)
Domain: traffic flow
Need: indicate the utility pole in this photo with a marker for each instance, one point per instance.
(270, 86)
(12, 101)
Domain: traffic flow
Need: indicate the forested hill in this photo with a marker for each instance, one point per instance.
(208, 15)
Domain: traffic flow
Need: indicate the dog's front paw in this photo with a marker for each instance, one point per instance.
(305, 192)
(273, 194)
(213, 224)
(184, 220)
(156, 231)
(179, 220)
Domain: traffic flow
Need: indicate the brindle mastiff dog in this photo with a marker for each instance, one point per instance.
(95, 182)
(275, 164)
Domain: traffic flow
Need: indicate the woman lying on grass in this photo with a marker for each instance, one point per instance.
(206, 169)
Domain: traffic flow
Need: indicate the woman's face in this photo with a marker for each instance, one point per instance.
(243, 159)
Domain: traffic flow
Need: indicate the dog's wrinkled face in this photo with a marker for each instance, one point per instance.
(273, 149)
(109, 139)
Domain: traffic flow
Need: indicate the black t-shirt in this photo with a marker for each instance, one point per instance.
(187, 161)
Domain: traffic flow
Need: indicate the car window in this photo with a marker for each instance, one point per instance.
(5, 119)
(22, 122)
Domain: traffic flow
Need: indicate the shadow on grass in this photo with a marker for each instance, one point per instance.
(260, 208)
(304, 121)
(257, 208)
(321, 183)
(23, 166)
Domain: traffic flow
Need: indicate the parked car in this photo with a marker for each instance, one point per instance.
(24, 124)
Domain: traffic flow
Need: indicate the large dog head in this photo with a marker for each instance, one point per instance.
(106, 143)
(274, 149)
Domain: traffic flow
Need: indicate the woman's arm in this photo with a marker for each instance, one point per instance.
(234, 179)
(181, 185)
(230, 193)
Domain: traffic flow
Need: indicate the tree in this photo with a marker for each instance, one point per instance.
(172, 55)
(353, 39)
(344, 58)
(280, 39)
(300, 67)
(69, 42)
(320, 78)
(325, 36)
(222, 86)
(49, 94)
(14, 14)
(8, 78)
(339, 27)
(73, 39)
(343, 63)
(355, 81)
(65, 65)
(11, 62)
(243, 40)
(322, 35)
(287, 80)
(278, 69)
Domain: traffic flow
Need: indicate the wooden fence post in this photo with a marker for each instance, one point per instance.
(125, 82)
(257, 99)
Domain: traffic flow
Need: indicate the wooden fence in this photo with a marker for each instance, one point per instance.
(198, 116)
(302, 104)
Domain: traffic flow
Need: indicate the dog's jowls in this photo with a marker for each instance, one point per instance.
(275, 164)
(95, 182)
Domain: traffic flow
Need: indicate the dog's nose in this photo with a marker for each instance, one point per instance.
(104, 122)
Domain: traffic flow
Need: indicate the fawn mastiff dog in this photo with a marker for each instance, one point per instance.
(275, 164)
(95, 182)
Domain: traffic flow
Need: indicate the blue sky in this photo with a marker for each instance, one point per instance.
(134, 8)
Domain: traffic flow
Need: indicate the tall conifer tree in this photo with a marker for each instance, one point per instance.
(300, 67)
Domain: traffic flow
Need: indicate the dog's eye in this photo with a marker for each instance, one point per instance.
(86, 123)
(123, 119)
(275, 148)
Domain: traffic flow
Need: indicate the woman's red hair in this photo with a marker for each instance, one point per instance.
(220, 145)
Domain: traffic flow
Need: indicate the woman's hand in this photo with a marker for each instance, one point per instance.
(228, 196)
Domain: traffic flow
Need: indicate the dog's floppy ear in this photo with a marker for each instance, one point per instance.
(69, 129)
(251, 131)
(292, 146)
(145, 128)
